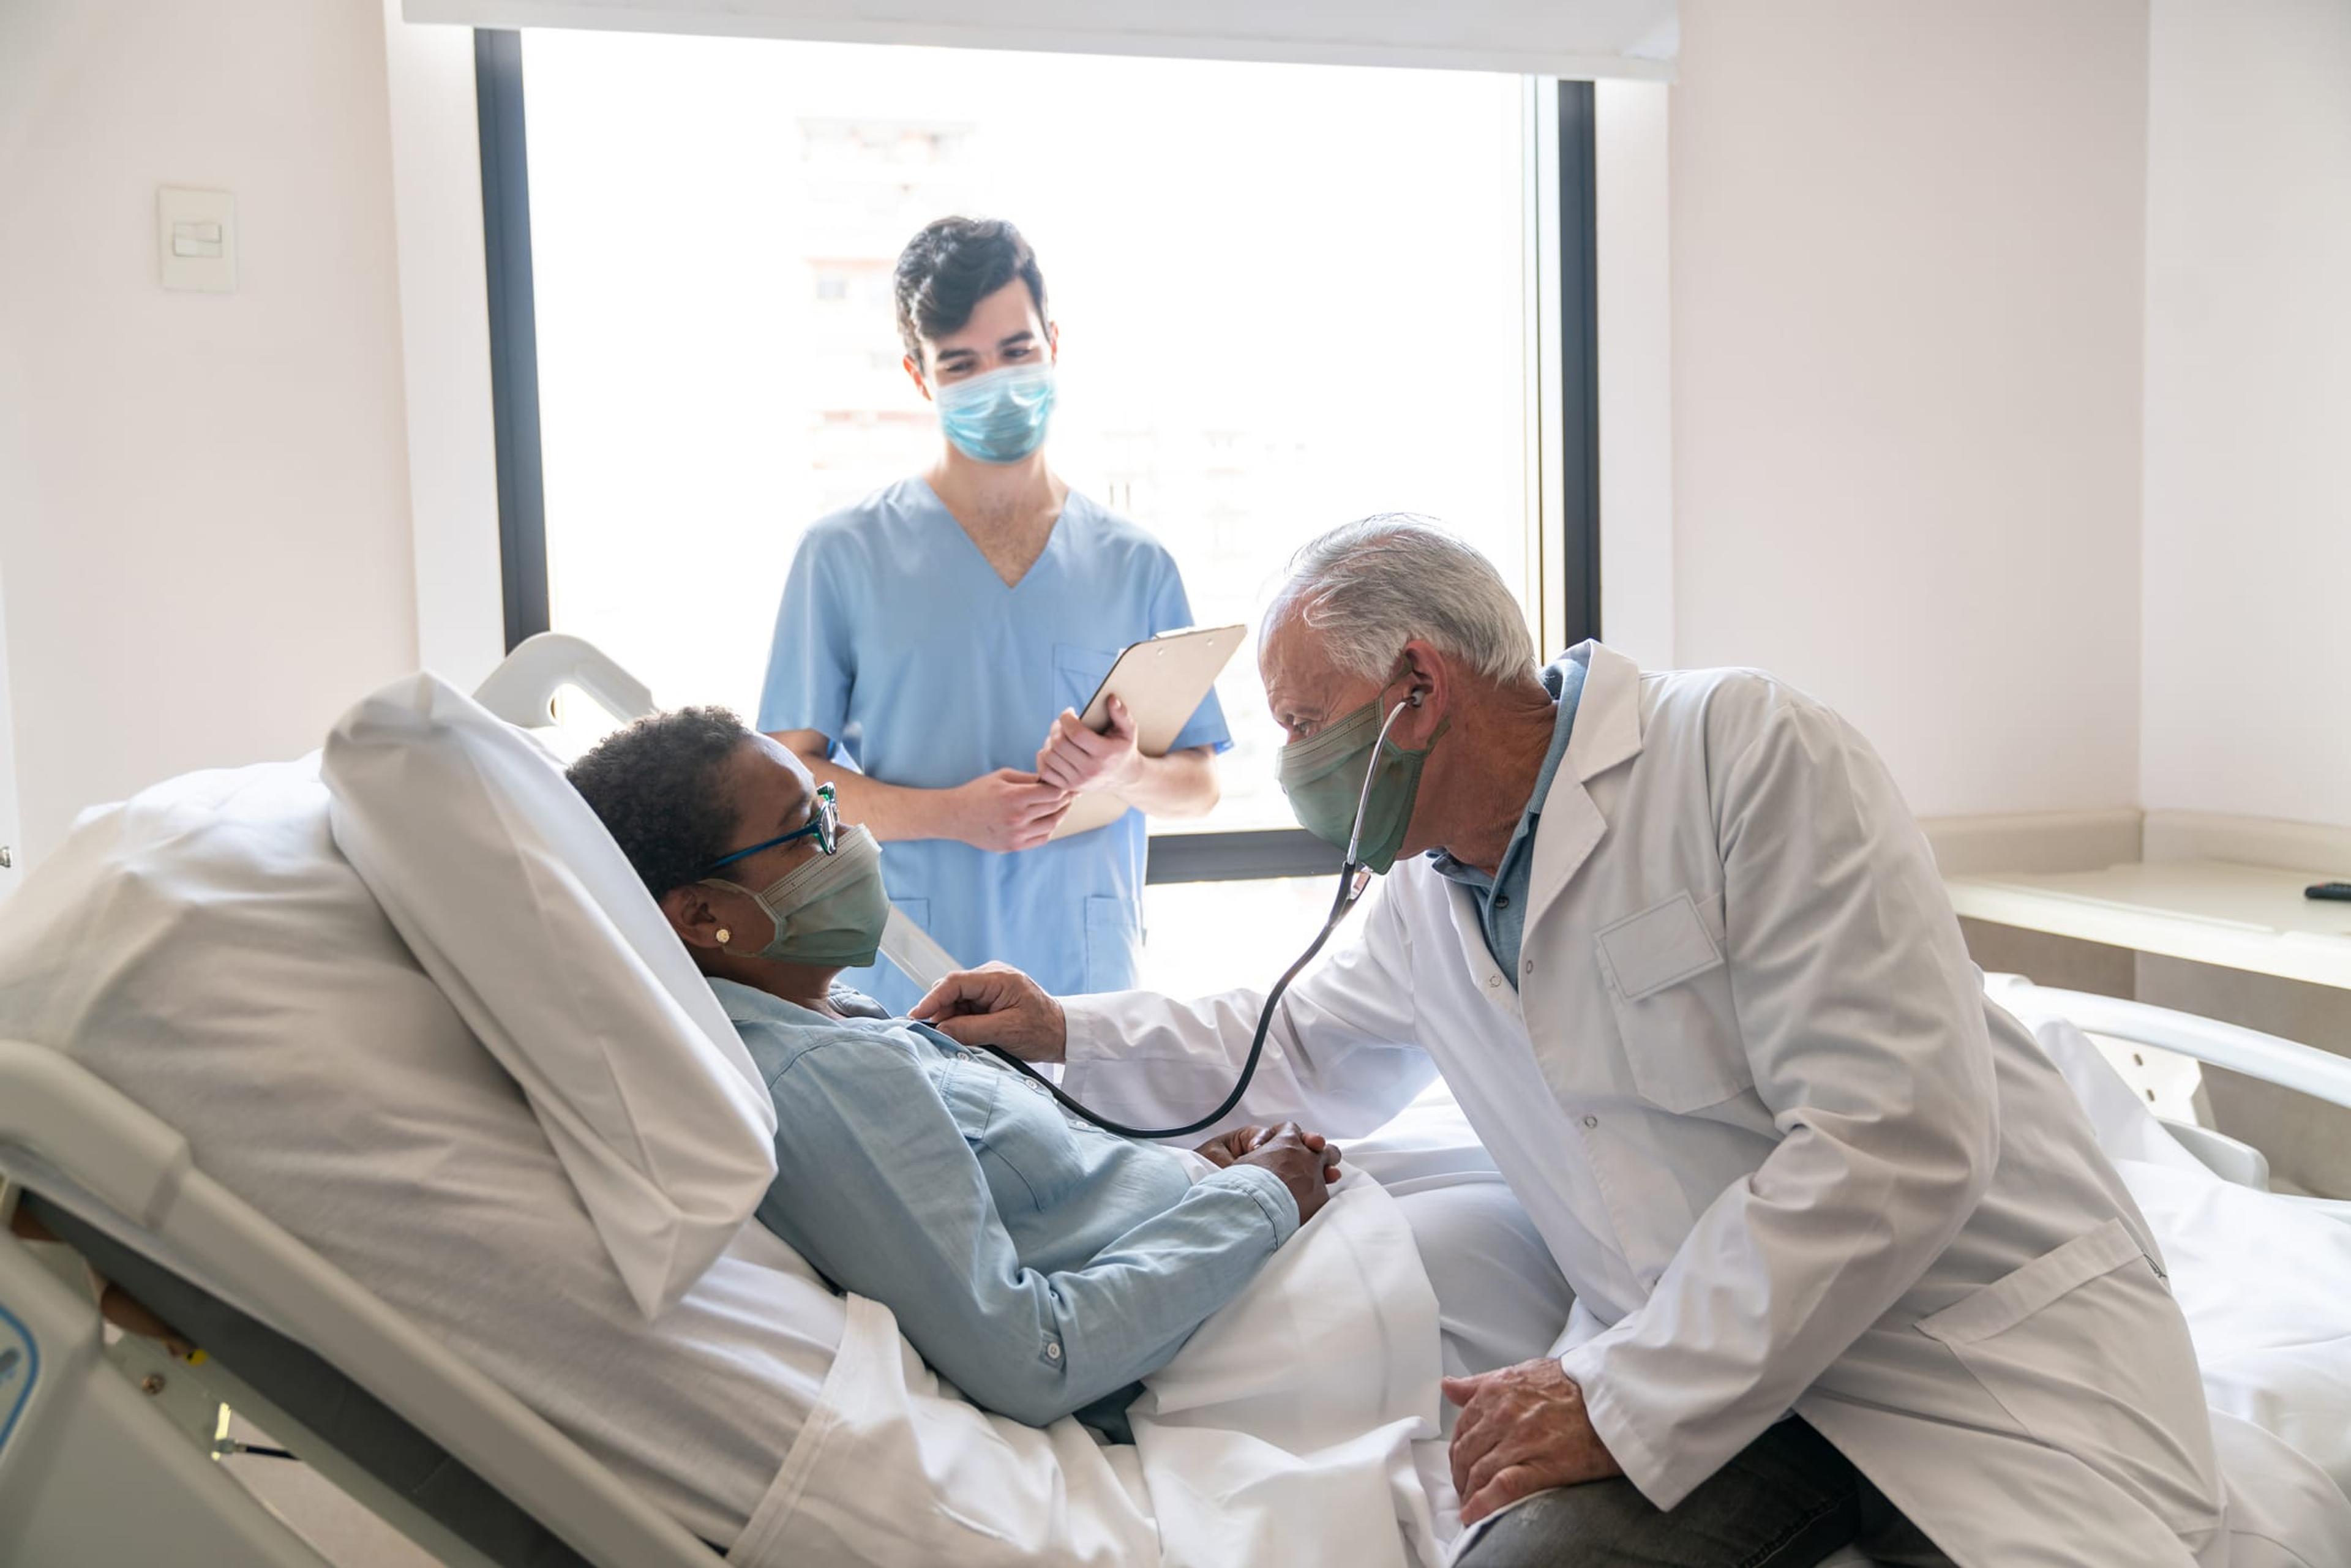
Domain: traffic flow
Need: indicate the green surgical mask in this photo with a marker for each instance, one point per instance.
(827, 912)
(1324, 778)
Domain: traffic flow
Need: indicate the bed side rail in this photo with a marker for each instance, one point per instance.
(2287, 1063)
(56, 1110)
(522, 689)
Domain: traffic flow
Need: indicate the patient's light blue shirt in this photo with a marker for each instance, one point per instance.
(898, 642)
(1039, 1264)
(1502, 897)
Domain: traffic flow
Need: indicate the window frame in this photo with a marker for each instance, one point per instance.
(1563, 382)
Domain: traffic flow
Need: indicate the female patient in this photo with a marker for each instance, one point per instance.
(1040, 1265)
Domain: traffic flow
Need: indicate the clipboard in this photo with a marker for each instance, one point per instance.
(1163, 681)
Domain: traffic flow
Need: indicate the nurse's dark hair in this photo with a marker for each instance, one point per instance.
(949, 269)
(659, 786)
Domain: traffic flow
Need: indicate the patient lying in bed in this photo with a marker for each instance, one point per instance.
(1041, 1265)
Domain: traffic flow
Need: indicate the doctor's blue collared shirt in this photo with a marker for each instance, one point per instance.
(898, 642)
(1502, 897)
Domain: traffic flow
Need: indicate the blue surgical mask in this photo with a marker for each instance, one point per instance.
(999, 417)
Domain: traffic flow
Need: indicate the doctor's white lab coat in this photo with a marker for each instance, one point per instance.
(1750, 1089)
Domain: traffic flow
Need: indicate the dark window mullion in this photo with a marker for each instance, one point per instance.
(514, 332)
(1579, 361)
(1257, 855)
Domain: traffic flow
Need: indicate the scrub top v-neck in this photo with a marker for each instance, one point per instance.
(898, 641)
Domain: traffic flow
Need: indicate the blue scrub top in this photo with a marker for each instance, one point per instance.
(898, 642)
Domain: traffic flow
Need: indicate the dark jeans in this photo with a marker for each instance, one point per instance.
(1787, 1500)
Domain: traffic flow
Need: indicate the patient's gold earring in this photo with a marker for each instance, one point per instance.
(725, 937)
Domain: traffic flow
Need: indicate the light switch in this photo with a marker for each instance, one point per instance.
(196, 235)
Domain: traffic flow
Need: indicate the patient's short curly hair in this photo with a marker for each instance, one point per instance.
(660, 788)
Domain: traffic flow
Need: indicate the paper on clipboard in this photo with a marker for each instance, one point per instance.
(1163, 681)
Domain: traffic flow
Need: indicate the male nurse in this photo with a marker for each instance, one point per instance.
(937, 640)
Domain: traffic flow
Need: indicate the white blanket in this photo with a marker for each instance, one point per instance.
(1282, 1433)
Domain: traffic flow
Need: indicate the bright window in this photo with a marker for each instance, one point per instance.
(1289, 296)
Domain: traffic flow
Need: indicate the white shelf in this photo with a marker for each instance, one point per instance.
(2247, 917)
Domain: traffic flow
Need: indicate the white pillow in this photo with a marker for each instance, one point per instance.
(521, 907)
(206, 950)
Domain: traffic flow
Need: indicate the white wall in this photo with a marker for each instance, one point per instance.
(1908, 254)
(204, 534)
(1631, 220)
(452, 475)
(2247, 676)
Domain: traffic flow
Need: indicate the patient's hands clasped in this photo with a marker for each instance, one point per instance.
(1306, 1162)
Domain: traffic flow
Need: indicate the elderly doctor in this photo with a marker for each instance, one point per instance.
(1849, 1267)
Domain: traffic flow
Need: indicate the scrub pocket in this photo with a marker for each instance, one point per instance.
(1113, 944)
(1671, 995)
(2085, 1348)
(1077, 673)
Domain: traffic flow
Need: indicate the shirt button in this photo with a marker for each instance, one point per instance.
(1052, 1353)
(1501, 901)
(1592, 1121)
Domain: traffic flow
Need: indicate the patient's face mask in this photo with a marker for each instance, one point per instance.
(999, 417)
(829, 912)
(1324, 777)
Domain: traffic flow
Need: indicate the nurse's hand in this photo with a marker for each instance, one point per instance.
(1523, 1430)
(1008, 809)
(1076, 758)
(996, 1005)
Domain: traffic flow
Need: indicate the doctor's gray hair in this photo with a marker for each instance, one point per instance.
(1367, 587)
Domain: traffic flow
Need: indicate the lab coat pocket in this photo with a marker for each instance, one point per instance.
(1112, 943)
(1077, 671)
(2086, 1350)
(1671, 995)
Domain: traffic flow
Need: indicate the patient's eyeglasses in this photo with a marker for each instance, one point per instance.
(823, 824)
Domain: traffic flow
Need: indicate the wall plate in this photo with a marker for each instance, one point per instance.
(195, 238)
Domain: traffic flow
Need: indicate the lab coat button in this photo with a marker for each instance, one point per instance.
(1493, 981)
(1592, 1121)
(1527, 967)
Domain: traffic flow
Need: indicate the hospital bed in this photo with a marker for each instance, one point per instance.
(108, 1440)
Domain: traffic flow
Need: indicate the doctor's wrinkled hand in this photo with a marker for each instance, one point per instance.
(1523, 1430)
(1074, 758)
(996, 1005)
(1008, 809)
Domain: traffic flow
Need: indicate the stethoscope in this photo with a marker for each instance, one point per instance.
(1354, 877)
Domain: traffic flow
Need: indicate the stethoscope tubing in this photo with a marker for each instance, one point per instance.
(1353, 879)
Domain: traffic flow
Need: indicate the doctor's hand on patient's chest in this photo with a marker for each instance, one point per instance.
(996, 1005)
(1523, 1430)
(1074, 758)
